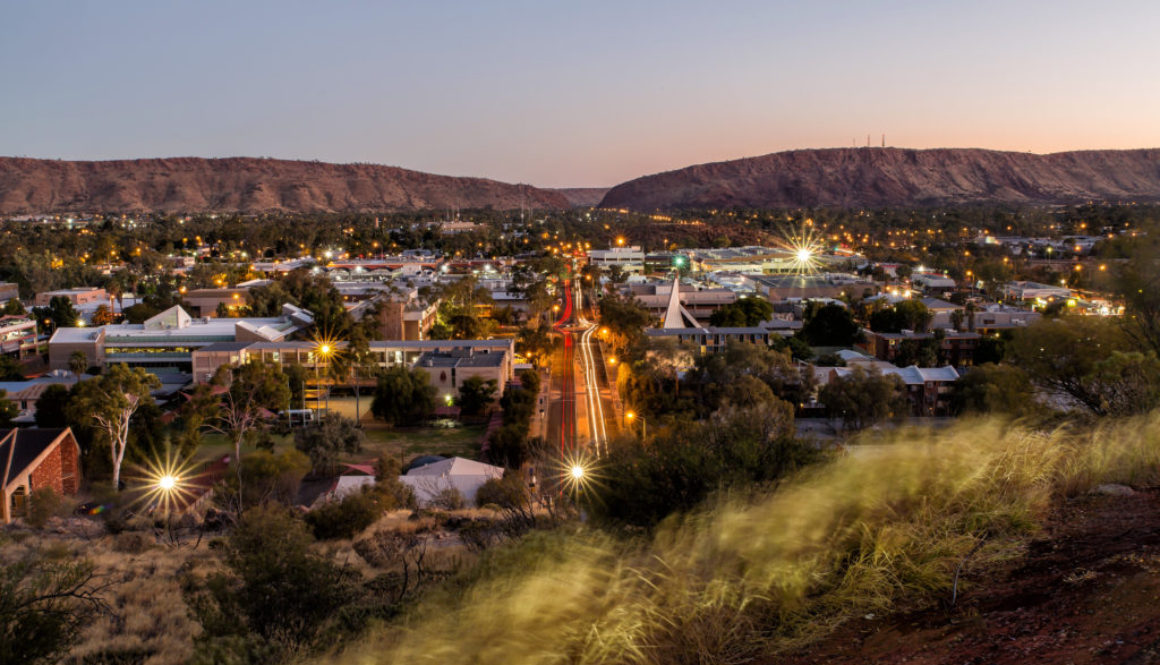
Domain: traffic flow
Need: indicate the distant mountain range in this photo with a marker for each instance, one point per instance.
(888, 177)
(843, 177)
(243, 184)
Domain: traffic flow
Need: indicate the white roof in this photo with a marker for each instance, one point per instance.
(457, 473)
(457, 466)
(174, 317)
(345, 486)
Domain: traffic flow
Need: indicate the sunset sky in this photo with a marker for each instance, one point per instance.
(570, 93)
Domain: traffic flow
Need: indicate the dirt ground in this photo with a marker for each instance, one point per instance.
(1087, 590)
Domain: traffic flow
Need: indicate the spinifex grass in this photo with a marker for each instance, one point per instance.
(885, 524)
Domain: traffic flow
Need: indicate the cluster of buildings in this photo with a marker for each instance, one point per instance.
(684, 306)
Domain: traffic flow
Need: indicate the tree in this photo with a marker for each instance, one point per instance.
(52, 407)
(644, 482)
(139, 313)
(829, 325)
(1137, 282)
(108, 403)
(62, 313)
(78, 362)
(296, 376)
(255, 392)
(475, 395)
(862, 398)
(276, 591)
(346, 517)
(906, 315)
(102, 316)
(14, 307)
(45, 602)
(920, 352)
(741, 313)
(10, 369)
(536, 344)
(1072, 356)
(8, 409)
(269, 477)
(626, 321)
(993, 388)
(403, 396)
(326, 440)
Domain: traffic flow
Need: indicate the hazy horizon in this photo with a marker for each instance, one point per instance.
(588, 95)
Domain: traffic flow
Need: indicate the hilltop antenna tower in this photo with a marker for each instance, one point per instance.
(883, 140)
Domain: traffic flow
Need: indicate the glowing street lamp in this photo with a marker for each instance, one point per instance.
(631, 415)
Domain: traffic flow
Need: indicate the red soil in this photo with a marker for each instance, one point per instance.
(1085, 591)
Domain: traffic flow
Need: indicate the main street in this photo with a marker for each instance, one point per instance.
(581, 413)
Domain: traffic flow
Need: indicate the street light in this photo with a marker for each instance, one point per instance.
(324, 349)
(631, 415)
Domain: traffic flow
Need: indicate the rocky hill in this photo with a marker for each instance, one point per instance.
(190, 184)
(885, 177)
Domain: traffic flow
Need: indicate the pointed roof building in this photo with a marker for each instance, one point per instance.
(676, 316)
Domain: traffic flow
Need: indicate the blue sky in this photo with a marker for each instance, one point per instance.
(570, 94)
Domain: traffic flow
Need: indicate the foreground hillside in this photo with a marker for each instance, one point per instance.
(884, 177)
(242, 184)
(1082, 591)
(809, 572)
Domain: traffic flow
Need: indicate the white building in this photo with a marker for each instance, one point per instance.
(462, 475)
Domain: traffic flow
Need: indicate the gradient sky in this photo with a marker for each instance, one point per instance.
(570, 93)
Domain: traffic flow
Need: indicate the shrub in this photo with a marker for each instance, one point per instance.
(42, 504)
(346, 518)
(506, 493)
(132, 542)
(277, 597)
(449, 499)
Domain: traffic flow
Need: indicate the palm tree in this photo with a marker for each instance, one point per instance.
(78, 362)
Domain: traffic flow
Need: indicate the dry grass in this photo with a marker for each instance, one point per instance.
(886, 524)
(149, 614)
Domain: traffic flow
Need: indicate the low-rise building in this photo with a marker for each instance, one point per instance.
(85, 296)
(804, 287)
(17, 336)
(449, 369)
(488, 358)
(933, 282)
(954, 348)
(628, 259)
(712, 339)
(457, 474)
(168, 340)
(698, 303)
(205, 302)
(9, 291)
(34, 459)
(928, 389)
(1035, 291)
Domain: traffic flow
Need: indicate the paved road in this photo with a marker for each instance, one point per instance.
(581, 416)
